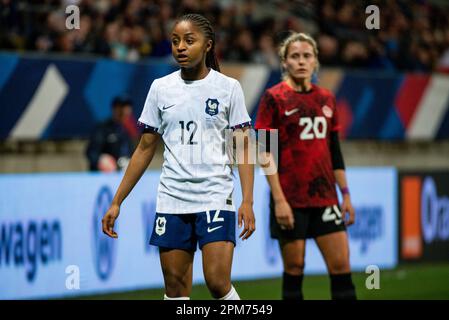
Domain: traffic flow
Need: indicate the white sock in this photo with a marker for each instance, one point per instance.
(177, 298)
(231, 295)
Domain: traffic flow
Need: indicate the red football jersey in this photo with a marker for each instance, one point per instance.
(304, 121)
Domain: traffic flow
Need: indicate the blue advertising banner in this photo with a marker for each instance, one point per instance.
(50, 234)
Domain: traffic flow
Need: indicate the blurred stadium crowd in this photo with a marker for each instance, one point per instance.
(413, 35)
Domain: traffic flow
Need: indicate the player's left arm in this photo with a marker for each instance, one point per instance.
(340, 176)
(245, 163)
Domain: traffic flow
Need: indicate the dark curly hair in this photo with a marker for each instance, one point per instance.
(206, 28)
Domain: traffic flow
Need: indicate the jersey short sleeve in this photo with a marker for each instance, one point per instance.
(238, 115)
(266, 113)
(335, 120)
(151, 117)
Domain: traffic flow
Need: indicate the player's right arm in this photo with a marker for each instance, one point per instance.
(139, 162)
(282, 210)
(266, 119)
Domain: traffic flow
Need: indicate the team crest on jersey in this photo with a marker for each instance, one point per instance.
(327, 111)
(160, 225)
(212, 107)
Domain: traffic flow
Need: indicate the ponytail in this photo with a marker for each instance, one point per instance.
(211, 59)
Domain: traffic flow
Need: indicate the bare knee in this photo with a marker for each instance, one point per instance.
(218, 284)
(339, 266)
(293, 256)
(294, 265)
(176, 284)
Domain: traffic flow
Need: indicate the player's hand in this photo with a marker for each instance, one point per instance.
(284, 215)
(346, 207)
(109, 220)
(246, 215)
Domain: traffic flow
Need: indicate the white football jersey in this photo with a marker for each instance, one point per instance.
(192, 117)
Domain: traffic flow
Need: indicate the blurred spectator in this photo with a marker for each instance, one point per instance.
(243, 47)
(267, 53)
(443, 65)
(413, 35)
(112, 142)
(355, 54)
(329, 51)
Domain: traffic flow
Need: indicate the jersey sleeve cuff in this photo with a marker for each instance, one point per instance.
(146, 128)
(241, 125)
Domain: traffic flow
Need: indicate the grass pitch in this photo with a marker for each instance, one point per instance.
(414, 281)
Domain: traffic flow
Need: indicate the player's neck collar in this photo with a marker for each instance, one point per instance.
(310, 90)
(196, 82)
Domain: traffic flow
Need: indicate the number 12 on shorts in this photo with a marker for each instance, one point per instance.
(215, 218)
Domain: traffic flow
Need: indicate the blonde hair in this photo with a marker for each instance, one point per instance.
(296, 36)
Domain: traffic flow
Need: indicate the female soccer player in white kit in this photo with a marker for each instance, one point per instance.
(191, 109)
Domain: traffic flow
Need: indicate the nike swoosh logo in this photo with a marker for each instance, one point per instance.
(290, 112)
(165, 108)
(213, 229)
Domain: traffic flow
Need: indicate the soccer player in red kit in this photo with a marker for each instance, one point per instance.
(304, 201)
